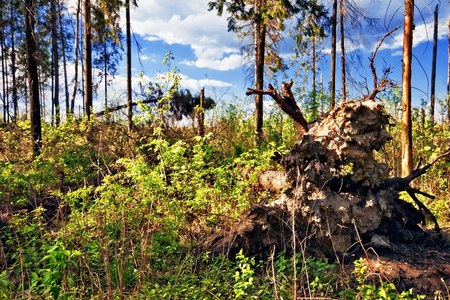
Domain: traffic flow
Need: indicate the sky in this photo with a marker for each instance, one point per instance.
(208, 56)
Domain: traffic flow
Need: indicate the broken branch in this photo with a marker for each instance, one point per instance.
(286, 102)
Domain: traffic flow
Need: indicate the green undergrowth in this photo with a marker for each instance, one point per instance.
(105, 213)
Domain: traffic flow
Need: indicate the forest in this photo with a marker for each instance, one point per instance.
(319, 192)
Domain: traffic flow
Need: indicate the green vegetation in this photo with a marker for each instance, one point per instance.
(101, 213)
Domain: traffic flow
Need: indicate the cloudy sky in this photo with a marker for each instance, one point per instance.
(208, 56)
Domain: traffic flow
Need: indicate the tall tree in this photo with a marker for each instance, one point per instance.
(448, 75)
(32, 69)
(257, 18)
(88, 59)
(13, 61)
(433, 65)
(342, 31)
(129, 81)
(406, 131)
(55, 60)
(260, 45)
(333, 56)
(77, 45)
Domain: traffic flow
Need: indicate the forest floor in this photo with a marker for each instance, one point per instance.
(424, 268)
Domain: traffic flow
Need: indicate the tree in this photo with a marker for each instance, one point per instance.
(88, 59)
(13, 61)
(406, 131)
(32, 69)
(129, 82)
(343, 73)
(448, 75)
(252, 18)
(55, 60)
(333, 56)
(433, 64)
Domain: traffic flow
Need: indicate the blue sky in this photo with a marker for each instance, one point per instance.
(207, 55)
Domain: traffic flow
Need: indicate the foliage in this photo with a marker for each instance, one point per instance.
(102, 214)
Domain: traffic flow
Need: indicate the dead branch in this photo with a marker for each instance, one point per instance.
(119, 107)
(384, 83)
(402, 183)
(286, 102)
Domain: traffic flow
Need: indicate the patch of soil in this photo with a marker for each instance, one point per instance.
(420, 267)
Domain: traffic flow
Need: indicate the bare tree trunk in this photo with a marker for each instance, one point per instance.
(406, 135)
(32, 69)
(129, 95)
(333, 56)
(448, 75)
(260, 45)
(55, 52)
(63, 46)
(13, 65)
(344, 83)
(3, 78)
(88, 59)
(201, 114)
(314, 89)
(105, 69)
(433, 70)
(75, 78)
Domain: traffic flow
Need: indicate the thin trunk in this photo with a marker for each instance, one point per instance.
(333, 56)
(13, 66)
(32, 69)
(55, 53)
(201, 114)
(344, 84)
(314, 100)
(88, 59)
(66, 84)
(406, 135)
(260, 43)
(448, 75)
(105, 70)
(3, 77)
(75, 78)
(129, 96)
(433, 70)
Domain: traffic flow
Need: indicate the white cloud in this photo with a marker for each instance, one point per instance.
(196, 84)
(189, 23)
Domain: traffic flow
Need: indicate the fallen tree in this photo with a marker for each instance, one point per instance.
(337, 194)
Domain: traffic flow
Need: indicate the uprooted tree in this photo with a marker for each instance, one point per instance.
(336, 194)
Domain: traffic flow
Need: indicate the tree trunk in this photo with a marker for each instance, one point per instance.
(13, 65)
(201, 114)
(5, 104)
(75, 77)
(333, 56)
(433, 70)
(88, 59)
(55, 53)
(448, 75)
(406, 134)
(129, 95)
(105, 70)
(314, 89)
(66, 83)
(32, 69)
(344, 83)
(260, 44)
